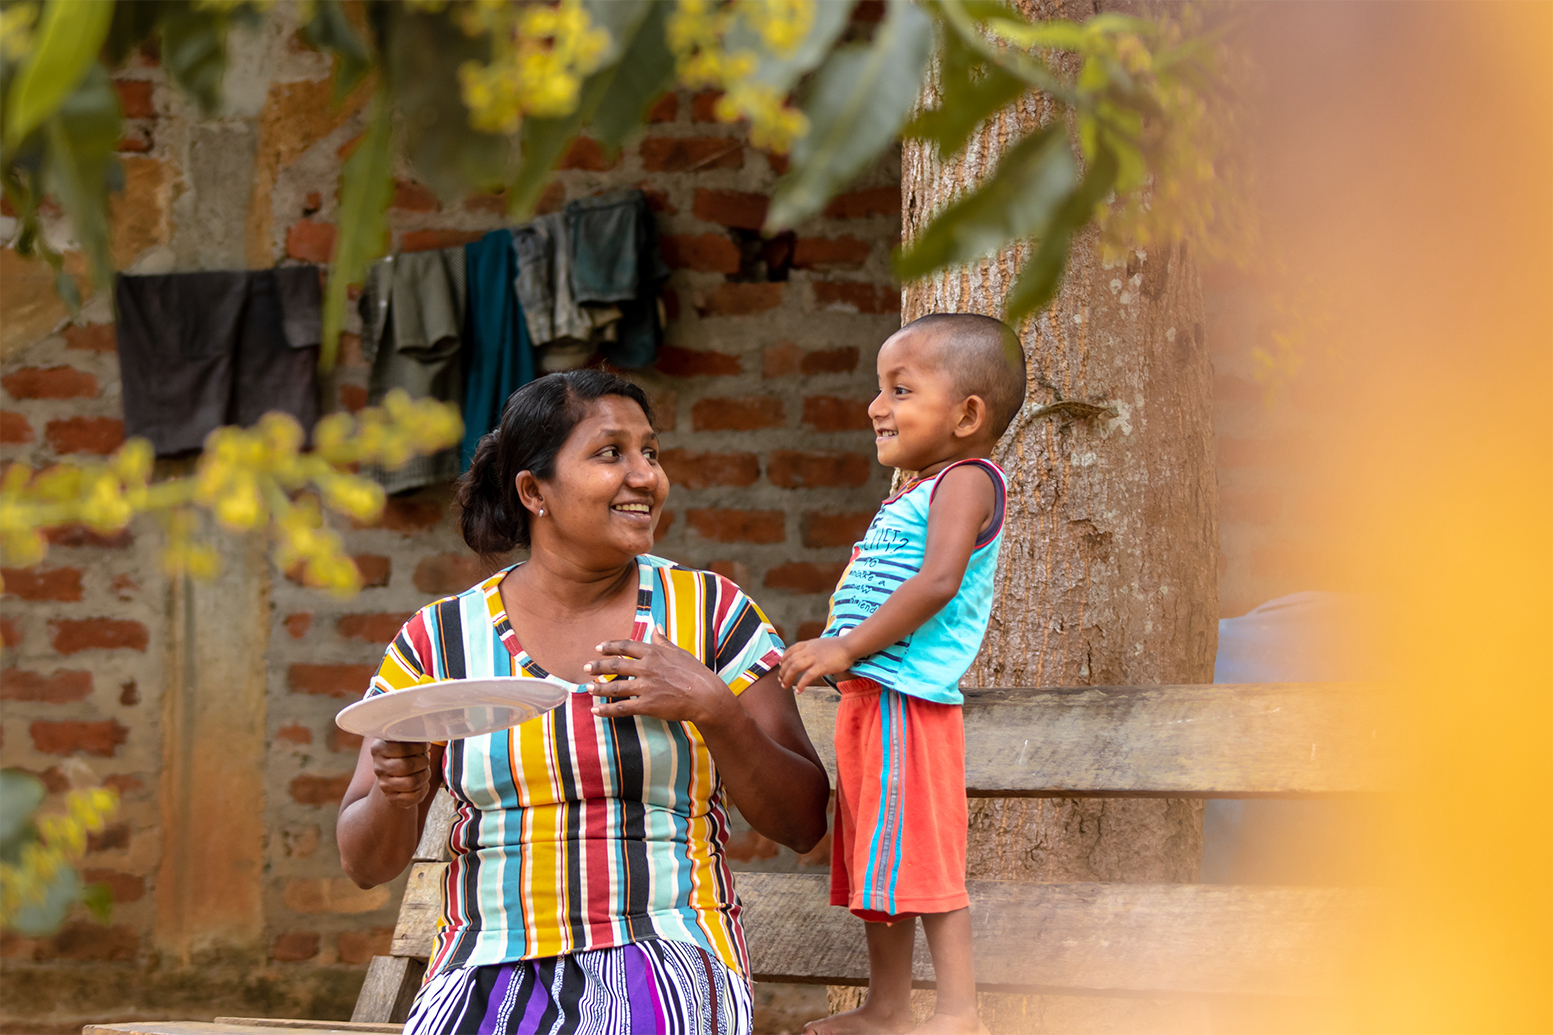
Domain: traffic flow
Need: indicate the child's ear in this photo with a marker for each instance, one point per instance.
(973, 417)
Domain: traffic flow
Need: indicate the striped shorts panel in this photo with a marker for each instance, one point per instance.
(647, 988)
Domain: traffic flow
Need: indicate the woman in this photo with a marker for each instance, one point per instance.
(588, 889)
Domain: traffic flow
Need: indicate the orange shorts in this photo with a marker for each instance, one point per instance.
(899, 845)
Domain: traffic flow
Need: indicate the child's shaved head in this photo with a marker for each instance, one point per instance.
(983, 356)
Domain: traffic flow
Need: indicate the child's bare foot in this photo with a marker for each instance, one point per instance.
(865, 1020)
(953, 1024)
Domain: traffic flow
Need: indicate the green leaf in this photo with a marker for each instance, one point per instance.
(1042, 276)
(35, 919)
(69, 37)
(544, 141)
(81, 168)
(859, 99)
(1053, 35)
(969, 91)
(194, 52)
(449, 155)
(644, 72)
(98, 898)
(366, 188)
(1018, 200)
(20, 795)
(330, 30)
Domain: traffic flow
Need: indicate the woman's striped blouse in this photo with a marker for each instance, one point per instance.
(577, 832)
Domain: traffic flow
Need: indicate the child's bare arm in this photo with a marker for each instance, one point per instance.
(962, 506)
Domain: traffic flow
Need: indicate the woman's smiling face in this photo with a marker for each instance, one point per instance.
(608, 490)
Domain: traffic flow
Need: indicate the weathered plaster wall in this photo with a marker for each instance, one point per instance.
(210, 705)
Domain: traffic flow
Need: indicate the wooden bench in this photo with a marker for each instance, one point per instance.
(1211, 741)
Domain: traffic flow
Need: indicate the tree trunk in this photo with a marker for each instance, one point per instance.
(1108, 573)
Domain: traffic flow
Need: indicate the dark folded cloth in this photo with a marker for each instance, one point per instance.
(500, 358)
(615, 260)
(199, 350)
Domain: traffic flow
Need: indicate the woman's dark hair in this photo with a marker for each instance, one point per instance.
(535, 423)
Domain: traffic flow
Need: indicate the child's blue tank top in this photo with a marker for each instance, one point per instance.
(929, 662)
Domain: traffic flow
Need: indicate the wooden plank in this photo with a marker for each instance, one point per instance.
(1085, 939)
(276, 1022)
(234, 1026)
(433, 846)
(1209, 741)
(388, 991)
(417, 924)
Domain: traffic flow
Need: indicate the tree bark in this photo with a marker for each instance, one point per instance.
(1108, 572)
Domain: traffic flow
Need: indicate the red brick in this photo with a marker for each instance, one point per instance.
(841, 360)
(827, 530)
(353, 398)
(448, 573)
(50, 383)
(428, 240)
(810, 630)
(739, 526)
(742, 210)
(42, 583)
(824, 253)
(10, 632)
(69, 736)
(92, 337)
(703, 106)
(70, 635)
(349, 355)
(795, 470)
(124, 587)
(135, 98)
(330, 680)
(123, 783)
(859, 204)
(664, 109)
(587, 154)
(688, 154)
(61, 687)
(690, 470)
(492, 204)
(745, 413)
(294, 946)
(830, 413)
(298, 624)
(361, 946)
(312, 203)
(110, 838)
(136, 139)
(310, 241)
(736, 572)
(665, 409)
(99, 435)
(414, 197)
(15, 430)
(375, 569)
(340, 741)
(407, 514)
(88, 941)
(851, 296)
(742, 299)
(780, 360)
(661, 529)
(124, 887)
(81, 535)
(551, 199)
(309, 789)
(778, 163)
(296, 733)
(657, 200)
(710, 253)
(374, 628)
(804, 577)
(681, 362)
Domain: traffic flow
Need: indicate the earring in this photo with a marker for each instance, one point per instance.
(541, 511)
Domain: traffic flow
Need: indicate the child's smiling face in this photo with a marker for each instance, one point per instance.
(917, 412)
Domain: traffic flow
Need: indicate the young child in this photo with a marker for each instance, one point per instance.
(905, 623)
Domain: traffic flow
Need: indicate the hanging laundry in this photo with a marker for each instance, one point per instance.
(615, 263)
(199, 350)
(412, 335)
(500, 356)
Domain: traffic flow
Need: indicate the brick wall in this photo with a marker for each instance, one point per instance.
(761, 390)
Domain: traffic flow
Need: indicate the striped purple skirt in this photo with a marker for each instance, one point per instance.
(648, 988)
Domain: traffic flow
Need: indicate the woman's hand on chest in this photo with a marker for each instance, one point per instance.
(658, 679)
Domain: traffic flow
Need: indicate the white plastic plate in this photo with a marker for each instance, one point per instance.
(451, 709)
